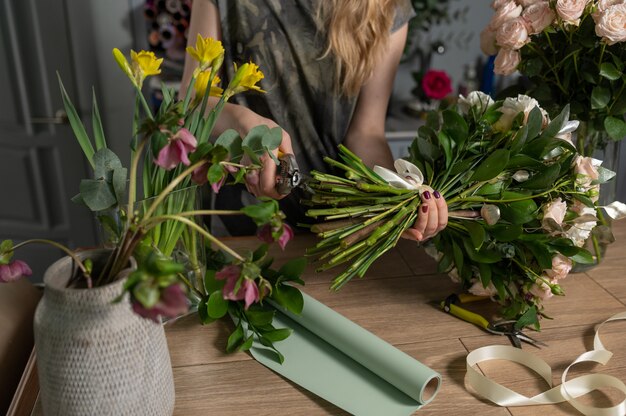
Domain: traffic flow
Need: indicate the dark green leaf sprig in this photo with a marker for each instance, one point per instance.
(497, 179)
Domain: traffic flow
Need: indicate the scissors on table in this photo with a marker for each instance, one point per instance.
(504, 327)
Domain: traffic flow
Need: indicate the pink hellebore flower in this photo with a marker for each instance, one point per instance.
(13, 271)
(173, 302)
(248, 291)
(218, 185)
(175, 152)
(265, 234)
(199, 174)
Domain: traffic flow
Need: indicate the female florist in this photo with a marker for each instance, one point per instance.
(389, 287)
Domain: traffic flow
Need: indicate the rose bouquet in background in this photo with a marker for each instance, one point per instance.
(573, 52)
(522, 202)
(170, 152)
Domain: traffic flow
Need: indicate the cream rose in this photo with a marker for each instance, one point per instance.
(561, 267)
(454, 275)
(587, 170)
(511, 107)
(528, 3)
(509, 10)
(554, 211)
(477, 100)
(611, 26)
(506, 62)
(570, 10)
(512, 34)
(538, 16)
(478, 289)
(496, 4)
(541, 290)
(488, 41)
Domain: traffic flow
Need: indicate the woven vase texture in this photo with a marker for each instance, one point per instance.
(96, 357)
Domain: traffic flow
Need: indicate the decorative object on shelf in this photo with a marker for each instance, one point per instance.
(168, 26)
(174, 145)
(94, 355)
(522, 202)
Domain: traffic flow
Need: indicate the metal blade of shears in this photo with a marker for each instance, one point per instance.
(289, 176)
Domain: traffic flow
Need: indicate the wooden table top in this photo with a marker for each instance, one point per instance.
(394, 302)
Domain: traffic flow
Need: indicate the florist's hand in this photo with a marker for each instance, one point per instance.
(263, 182)
(432, 217)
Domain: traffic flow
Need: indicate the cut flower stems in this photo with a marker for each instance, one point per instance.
(521, 203)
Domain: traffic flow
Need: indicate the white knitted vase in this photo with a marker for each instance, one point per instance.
(95, 357)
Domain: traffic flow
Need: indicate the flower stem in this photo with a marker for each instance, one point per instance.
(132, 186)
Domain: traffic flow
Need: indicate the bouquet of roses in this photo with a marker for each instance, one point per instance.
(173, 144)
(522, 202)
(573, 53)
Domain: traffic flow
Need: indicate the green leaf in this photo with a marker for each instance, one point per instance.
(98, 132)
(77, 124)
(485, 274)
(492, 166)
(97, 194)
(583, 257)
(217, 306)
(211, 284)
(459, 259)
(543, 179)
(215, 173)
(608, 71)
(534, 123)
(146, 294)
(289, 298)
(556, 124)
(260, 317)
(506, 232)
(446, 145)
(254, 138)
(523, 161)
(480, 256)
(615, 127)
(476, 232)
(293, 269)
(520, 138)
(261, 213)
(428, 151)
(518, 212)
(529, 318)
(105, 162)
(203, 313)
(600, 97)
(278, 334)
(232, 142)
(541, 253)
(455, 126)
(247, 344)
(235, 339)
(272, 139)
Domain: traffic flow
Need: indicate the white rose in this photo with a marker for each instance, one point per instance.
(477, 100)
(586, 169)
(512, 34)
(488, 41)
(602, 5)
(554, 211)
(561, 267)
(506, 62)
(478, 289)
(611, 26)
(570, 10)
(454, 275)
(511, 107)
(431, 250)
(498, 3)
(579, 232)
(538, 16)
(509, 10)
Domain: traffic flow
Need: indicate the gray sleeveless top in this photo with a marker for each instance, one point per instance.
(282, 38)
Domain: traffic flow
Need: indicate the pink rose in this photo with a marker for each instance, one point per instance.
(175, 152)
(506, 62)
(512, 34)
(538, 16)
(541, 290)
(13, 271)
(498, 3)
(555, 211)
(436, 84)
(488, 41)
(509, 10)
(528, 3)
(570, 10)
(561, 267)
(611, 26)
(587, 170)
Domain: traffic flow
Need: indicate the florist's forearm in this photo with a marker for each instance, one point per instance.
(372, 149)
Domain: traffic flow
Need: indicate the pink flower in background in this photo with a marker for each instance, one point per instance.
(488, 41)
(266, 234)
(512, 34)
(176, 151)
(13, 271)
(507, 11)
(218, 185)
(611, 24)
(479, 290)
(561, 267)
(173, 302)
(571, 10)
(436, 84)
(538, 16)
(199, 174)
(248, 291)
(506, 62)
(541, 290)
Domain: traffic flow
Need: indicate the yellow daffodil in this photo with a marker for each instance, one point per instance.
(246, 77)
(201, 83)
(208, 52)
(123, 63)
(144, 64)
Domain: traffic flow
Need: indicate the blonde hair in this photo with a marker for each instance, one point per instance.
(357, 32)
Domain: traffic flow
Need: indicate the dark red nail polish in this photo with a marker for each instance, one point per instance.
(437, 194)
(426, 195)
(425, 208)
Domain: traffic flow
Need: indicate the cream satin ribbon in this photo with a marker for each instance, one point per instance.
(567, 391)
(406, 176)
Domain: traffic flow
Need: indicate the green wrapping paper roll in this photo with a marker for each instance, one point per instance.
(347, 365)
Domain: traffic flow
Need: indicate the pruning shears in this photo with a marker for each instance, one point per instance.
(289, 176)
(504, 327)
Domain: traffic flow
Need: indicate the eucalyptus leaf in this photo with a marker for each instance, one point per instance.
(105, 162)
(231, 140)
(97, 194)
(273, 138)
